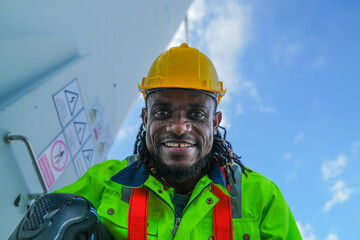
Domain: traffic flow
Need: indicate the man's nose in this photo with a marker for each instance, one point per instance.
(179, 126)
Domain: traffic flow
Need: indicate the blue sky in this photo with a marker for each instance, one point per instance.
(292, 107)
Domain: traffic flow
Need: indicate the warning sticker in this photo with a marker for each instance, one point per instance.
(59, 155)
(77, 132)
(71, 99)
(86, 158)
(104, 139)
(80, 130)
(46, 171)
(100, 126)
(54, 160)
(97, 110)
(68, 102)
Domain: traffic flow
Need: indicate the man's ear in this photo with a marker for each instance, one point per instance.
(217, 120)
(144, 116)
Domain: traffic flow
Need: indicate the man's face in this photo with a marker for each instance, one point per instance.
(179, 127)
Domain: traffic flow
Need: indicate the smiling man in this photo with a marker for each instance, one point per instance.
(180, 125)
(184, 180)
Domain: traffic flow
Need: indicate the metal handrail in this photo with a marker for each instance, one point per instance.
(13, 137)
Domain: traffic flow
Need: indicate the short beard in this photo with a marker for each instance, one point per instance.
(181, 173)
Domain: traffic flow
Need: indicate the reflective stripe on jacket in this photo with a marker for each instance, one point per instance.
(259, 210)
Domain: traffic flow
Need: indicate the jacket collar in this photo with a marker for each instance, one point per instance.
(132, 176)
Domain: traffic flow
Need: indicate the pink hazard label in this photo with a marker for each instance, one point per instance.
(46, 171)
(59, 155)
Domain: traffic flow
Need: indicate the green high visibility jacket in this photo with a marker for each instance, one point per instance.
(259, 210)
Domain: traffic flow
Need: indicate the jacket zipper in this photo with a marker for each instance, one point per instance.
(176, 226)
(177, 219)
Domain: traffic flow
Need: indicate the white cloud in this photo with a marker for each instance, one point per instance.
(299, 137)
(125, 131)
(340, 194)
(248, 88)
(290, 176)
(319, 62)
(225, 38)
(286, 53)
(355, 147)
(332, 169)
(196, 14)
(225, 122)
(223, 31)
(306, 231)
(332, 237)
(264, 109)
(287, 155)
(239, 109)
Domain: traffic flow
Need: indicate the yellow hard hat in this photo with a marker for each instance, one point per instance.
(183, 67)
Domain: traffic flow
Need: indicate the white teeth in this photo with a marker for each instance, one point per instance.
(182, 145)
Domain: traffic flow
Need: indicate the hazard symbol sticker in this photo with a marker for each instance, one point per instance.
(100, 126)
(80, 128)
(77, 132)
(86, 158)
(59, 155)
(96, 109)
(53, 161)
(71, 99)
(68, 102)
(46, 171)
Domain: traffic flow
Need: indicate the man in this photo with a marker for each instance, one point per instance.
(184, 181)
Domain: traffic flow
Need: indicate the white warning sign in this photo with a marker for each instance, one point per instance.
(77, 132)
(71, 99)
(86, 158)
(54, 160)
(68, 102)
(80, 128)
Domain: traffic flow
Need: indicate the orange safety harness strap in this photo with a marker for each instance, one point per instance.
(222, 217)
(138, 212)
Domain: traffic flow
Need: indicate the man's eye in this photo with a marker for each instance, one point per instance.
(197, 114)
(161, 113)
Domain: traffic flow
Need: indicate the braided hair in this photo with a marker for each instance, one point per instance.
(221, 152)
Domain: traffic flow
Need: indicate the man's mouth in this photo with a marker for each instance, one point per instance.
(178, 145)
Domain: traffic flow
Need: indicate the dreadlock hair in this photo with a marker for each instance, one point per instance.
(225, 156)
(221, 151)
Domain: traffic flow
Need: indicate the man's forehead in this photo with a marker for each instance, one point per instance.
(211, 94)
(192, 96)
